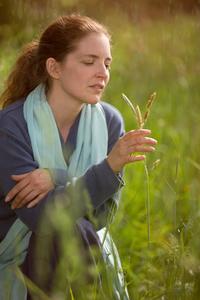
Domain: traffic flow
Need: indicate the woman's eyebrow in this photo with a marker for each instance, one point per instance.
(96, 56)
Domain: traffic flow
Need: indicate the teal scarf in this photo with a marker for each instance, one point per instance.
(91, 144)
(91, 148)
(13, 250)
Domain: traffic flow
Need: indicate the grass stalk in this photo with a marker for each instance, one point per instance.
(140, 123)
(33, 288)
(71, 294)
(148, 208)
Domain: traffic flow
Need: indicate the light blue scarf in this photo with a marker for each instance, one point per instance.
(13, 250)
(92, 136)
(91, 148)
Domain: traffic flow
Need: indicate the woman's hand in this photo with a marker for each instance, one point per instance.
(30, 188)
(123, 151)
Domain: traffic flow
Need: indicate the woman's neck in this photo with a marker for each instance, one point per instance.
(64, 108)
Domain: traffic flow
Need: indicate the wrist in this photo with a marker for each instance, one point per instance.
(111, 165)
(51, 177)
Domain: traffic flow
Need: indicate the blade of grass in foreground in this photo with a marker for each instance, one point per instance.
(140, 124)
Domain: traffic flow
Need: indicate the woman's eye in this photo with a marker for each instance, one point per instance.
(108, 67)
(87, 63)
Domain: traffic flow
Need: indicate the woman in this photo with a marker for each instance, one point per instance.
(56, 138)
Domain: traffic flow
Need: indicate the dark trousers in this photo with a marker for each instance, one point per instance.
(45, 255)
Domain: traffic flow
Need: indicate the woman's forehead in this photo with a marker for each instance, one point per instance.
(94, 44)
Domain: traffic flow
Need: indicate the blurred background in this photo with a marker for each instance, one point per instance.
(156, 47)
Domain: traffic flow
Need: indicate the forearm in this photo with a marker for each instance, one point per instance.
(87, 195)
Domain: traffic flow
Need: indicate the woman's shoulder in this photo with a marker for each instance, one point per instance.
(12, 116)
(112, 114)
(115, 123)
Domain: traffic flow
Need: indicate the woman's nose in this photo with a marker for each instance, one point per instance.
(102, 71)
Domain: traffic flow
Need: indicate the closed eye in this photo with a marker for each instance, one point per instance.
(88, 62)
(108, 67)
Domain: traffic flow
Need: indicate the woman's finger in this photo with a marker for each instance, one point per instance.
(140, 140)
(36, 200)
(140, 148)
(20, 202)
(137, 132)
(133, 158)
(17, 189)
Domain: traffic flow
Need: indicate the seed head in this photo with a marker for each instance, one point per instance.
(139, 117)
(148, 106)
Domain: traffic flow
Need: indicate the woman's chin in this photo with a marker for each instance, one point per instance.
(93, 100)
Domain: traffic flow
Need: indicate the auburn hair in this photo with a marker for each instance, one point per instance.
(56, 41)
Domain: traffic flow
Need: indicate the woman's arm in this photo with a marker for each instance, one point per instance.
(30, 188)
(101, 181)
(16, 158)
(39, 182)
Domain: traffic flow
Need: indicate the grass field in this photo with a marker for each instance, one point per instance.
(161, 56)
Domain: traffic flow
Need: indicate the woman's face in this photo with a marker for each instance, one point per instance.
(84, 73)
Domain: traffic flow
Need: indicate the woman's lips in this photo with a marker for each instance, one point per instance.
(97, 87)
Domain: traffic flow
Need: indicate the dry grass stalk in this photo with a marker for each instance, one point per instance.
(137, 112)
(139, 117)
(140, 122)
(130, 104)
(155, 164)
(148, 106)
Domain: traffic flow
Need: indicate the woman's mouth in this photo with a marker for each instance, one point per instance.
(97, 87)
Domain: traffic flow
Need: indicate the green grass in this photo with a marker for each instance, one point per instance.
(161, 56)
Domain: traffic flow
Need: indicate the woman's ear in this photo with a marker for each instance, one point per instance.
(52, 67)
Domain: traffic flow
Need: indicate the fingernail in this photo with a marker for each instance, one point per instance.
(149, 130)
(7, 199)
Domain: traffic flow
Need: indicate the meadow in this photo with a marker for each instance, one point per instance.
(156, 227)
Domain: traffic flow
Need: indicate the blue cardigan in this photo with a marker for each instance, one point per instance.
(16, 157)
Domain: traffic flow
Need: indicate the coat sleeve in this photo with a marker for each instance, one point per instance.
(105, 211)
(16, 158)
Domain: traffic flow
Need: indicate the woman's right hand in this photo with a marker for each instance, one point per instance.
(131, 142)
(30, 188)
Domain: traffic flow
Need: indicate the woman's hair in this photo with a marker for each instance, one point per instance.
(57, 40)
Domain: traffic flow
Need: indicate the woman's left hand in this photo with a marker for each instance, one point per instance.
(30, 188)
